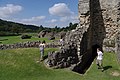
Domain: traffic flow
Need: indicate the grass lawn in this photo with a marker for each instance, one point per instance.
(17, 39)
(20, 64)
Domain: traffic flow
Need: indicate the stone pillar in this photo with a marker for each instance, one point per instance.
(118, 13)
(117, 41)
(118, 46)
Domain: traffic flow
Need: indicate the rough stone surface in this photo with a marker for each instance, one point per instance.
(99, 23)
(64, 58)
(49, 35)
(42, 34)
(118, 46)
(28, 45)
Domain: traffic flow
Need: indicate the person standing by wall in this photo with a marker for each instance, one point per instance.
(99, 59)
(61, 42)
(42, 46)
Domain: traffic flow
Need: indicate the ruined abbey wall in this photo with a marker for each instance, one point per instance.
(99, 23)
(117, 45)
(102, 16)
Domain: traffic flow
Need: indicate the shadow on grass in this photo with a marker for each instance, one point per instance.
(107, 67)
(45, 57)
(3, 39)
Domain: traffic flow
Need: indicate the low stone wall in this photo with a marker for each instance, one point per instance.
(109, 49)
(27, 45)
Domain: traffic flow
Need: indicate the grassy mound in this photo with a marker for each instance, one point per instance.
(21, 64)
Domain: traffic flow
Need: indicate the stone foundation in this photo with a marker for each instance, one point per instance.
(28, 45)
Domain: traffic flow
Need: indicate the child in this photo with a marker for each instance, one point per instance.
(99, 59)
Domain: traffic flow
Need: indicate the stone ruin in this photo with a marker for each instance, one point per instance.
(118, 46)
(42, 34)
(50, 35)
(99, 23)
(29, 44)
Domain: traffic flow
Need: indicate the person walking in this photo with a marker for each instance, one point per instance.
(99, 59)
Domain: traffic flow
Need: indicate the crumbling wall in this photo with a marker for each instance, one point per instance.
(110, 16)
(28, 45)
(118, 46)
(92, 20)
(98, 24)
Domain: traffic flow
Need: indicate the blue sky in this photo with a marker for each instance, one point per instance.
(49, 13)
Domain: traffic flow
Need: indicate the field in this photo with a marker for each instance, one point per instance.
(17, 39)
(21, 64)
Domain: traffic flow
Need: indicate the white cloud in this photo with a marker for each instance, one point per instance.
(9, 9)
(38, 20)
(64, 19)
(60, 9)
(33, 19)
(74, 19)
(69, 19)
(53, 20)
(63, 13)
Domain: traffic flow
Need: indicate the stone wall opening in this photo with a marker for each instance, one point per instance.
(87, 59)
(92, 38)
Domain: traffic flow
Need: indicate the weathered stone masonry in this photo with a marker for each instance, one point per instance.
(98, 24)
(28, 45)
(118, 46)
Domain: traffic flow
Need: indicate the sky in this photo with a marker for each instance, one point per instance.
(48, 13)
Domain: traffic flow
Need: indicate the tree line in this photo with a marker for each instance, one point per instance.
(12, 28)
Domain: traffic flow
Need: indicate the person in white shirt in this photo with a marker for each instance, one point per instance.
(61, 42)
(99, 59)
(42, 46)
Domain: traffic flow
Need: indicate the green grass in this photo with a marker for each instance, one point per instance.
(17, 39)
(20, 64)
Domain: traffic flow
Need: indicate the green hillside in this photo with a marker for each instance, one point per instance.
(13, 28)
